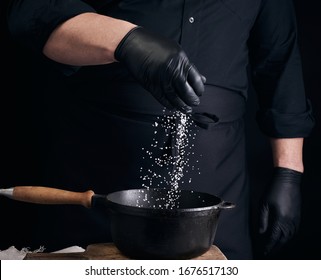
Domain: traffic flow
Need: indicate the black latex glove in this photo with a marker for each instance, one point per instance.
(162, 68)
(281, 209)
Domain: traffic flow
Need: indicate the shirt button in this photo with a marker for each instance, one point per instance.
(191, 19)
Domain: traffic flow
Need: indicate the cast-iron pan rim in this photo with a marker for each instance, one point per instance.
(163, 211)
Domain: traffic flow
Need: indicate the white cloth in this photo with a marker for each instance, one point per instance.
(12, 253)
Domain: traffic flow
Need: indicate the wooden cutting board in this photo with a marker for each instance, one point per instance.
(108, 251)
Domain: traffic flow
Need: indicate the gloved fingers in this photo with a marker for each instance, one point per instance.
(196, 80)
(288, 230)
(169, 99)
(162, 100)
(185, 92)
(277, 246)
(273, 236)
(264, 219)
(280, 234)
(177, 102)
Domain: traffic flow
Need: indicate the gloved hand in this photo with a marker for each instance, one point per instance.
(281, 209)
(162, 68)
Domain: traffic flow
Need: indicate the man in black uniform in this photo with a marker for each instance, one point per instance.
(113, 67)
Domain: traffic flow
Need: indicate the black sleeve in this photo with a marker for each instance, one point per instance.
(31, 22)
(284, 112)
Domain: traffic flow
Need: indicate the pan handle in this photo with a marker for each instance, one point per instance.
(46, 195)
(226, 205)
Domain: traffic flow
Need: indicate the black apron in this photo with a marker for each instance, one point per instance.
(102, 146)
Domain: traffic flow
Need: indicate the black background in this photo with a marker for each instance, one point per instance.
(21, 149)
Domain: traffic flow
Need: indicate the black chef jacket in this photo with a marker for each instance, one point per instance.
(105, 117)
(220, 38)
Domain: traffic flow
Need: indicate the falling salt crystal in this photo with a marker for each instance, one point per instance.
(175, 155)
